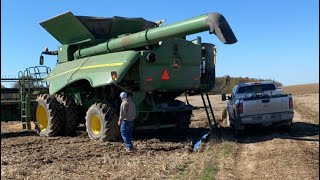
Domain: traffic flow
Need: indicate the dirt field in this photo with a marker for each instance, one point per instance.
(262, 153)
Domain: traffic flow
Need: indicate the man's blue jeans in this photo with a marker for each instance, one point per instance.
(126, 133)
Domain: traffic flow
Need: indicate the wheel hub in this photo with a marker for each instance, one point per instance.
(42, 118)
(95, 124)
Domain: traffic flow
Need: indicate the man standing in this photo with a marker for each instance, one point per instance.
(126, 120)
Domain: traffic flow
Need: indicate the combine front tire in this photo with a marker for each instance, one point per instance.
(102, 122)
(71, 114)
(48, 116)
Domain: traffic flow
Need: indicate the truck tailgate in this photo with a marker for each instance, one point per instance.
(266, 105)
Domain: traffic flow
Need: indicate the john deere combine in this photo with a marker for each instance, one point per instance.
(100, 57)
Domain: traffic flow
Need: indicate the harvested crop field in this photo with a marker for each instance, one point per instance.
(302, 89)
(266, 153)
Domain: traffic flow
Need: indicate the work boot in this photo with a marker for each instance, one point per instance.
(130, 150)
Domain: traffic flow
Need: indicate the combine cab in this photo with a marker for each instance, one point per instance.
(100, 57)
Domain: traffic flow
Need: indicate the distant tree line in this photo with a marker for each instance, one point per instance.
(221, 86)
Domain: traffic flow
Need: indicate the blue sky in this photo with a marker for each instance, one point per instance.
(277, 39)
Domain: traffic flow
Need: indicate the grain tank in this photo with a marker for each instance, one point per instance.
(100, 57)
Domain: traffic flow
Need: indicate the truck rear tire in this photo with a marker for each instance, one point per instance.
(238, 129)
(71, 114)
(102, 123)
(48, 115)
(287, 125)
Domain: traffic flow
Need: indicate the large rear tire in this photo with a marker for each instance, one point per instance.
(183, 121)
(102, 123)
(71, 114)
(48, 115)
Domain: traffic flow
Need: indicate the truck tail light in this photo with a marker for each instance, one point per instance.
(240, 108)
(290, 103)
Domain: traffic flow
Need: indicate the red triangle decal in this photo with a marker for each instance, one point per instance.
(165, 75)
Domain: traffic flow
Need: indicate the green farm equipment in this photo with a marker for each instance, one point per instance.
(17, 102)
(100, 57)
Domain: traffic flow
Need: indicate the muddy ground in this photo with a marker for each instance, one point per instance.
(262, 153)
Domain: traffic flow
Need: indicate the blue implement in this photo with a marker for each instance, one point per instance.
(203, 138)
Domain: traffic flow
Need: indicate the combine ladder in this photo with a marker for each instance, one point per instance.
(30, 81)
(210, 115)
(24, 104)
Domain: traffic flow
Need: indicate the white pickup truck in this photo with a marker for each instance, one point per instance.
(258, 103)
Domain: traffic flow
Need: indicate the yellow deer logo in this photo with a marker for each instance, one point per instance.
(175, 63)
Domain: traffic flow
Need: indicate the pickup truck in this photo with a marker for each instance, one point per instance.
(258, 103)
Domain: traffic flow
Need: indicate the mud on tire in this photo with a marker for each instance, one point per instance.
(48, 115)
(102, 123)
(71, 114)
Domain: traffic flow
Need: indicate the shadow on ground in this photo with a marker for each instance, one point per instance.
(17, 134)
(163, 135)
(169, 135)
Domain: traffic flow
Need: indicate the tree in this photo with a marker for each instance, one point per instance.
(221, 87)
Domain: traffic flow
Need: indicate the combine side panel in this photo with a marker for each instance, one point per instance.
(96, 69)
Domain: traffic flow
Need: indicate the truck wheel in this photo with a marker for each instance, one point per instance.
(287, 125)
(71, 114)
(48, 115)
(183, 121)
(237, 130)
(102, 122)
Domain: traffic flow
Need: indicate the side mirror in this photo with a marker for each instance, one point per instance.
(41, 60)
(223, 97)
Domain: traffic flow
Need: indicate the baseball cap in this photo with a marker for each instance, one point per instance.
(123, 95)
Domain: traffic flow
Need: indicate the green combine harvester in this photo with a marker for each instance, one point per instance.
(101, 57)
